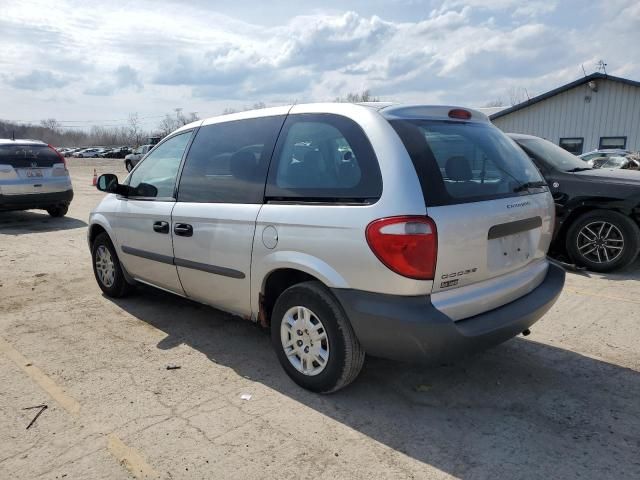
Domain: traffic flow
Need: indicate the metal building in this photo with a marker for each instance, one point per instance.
(597, 111)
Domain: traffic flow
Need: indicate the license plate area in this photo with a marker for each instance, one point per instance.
(510, 251)
(33, 173)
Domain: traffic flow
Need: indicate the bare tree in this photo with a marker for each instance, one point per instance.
(50, 123)
(494, 103)
(134, 128)
(167, 125)
(517, 95)
(192, 117)
(364, 96)
(255, 106)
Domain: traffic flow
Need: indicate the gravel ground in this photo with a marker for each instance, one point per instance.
(562, 403)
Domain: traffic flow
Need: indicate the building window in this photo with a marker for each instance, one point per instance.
(572, 145)
(613, 142)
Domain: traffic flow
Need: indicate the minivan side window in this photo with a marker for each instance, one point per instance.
(323, 157)
(228, 162)
(156, 175)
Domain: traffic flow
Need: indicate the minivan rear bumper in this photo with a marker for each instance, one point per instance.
(35, 200)
(412, 329)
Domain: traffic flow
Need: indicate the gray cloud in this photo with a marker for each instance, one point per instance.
(38, 80)
(123, 77)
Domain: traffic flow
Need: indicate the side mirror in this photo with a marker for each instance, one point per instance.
(108, 183)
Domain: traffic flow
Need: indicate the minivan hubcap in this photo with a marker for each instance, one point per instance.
(105, 267)
(600, 242)
(304, 340)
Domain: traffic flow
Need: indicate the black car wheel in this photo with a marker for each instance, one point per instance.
(603, 240)
(59, 211)
(128, 165)
(314, 340)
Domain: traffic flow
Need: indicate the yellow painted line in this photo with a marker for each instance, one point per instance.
(65, 400)
(600, 295)
(128, 457)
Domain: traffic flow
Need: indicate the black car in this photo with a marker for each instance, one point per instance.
(597, 210)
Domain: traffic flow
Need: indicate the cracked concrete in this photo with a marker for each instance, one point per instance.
(562, 403)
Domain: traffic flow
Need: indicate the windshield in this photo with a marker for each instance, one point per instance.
(610, 162)
(460, 162)
(552, 154)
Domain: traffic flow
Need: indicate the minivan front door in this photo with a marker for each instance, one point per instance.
(220, 194)
(143, 225)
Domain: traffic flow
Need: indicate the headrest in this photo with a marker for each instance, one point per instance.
(243, 165)
(313, 159)
(458, 169)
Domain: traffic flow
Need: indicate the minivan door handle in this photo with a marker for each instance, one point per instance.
(183, 229)
(161, 227)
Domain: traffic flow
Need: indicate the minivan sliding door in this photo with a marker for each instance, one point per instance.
(220, 193)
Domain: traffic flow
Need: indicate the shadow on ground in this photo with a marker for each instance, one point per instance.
(521, 410)
(30, 221)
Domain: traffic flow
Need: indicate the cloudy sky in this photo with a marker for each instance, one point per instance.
(98, 62)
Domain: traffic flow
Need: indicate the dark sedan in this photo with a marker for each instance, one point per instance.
(597, 210)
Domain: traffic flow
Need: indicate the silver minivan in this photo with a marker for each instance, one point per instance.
(414, 233)
(33, 175)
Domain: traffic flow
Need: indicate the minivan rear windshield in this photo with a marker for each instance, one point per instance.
(28, 156)
(461, 162)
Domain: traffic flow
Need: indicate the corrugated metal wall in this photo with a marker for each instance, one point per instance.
(613, 111)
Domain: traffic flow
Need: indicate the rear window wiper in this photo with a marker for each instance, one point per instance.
(528, 185)
(578, 169)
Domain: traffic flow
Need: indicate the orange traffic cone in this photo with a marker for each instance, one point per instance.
(95, 178)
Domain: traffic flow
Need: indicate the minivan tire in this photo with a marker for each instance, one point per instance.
(346, 356)
(625, 226)
(120, 287)
(59, 211)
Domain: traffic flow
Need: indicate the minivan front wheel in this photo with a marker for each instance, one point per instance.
(107, 268)
(603, 240)
(314, 340)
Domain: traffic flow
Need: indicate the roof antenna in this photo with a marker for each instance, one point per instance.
(602, 67)
(583, 70)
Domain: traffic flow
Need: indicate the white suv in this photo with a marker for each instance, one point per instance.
(407, 232)
(33, 175)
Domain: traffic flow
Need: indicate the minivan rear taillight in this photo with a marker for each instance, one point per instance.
(407, 245)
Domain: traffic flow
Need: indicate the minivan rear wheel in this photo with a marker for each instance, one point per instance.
(603, 240)
(107, 268)
(314, 340)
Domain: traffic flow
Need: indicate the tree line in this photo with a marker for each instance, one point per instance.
(132, 133)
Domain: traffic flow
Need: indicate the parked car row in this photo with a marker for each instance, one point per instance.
(96, 152)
